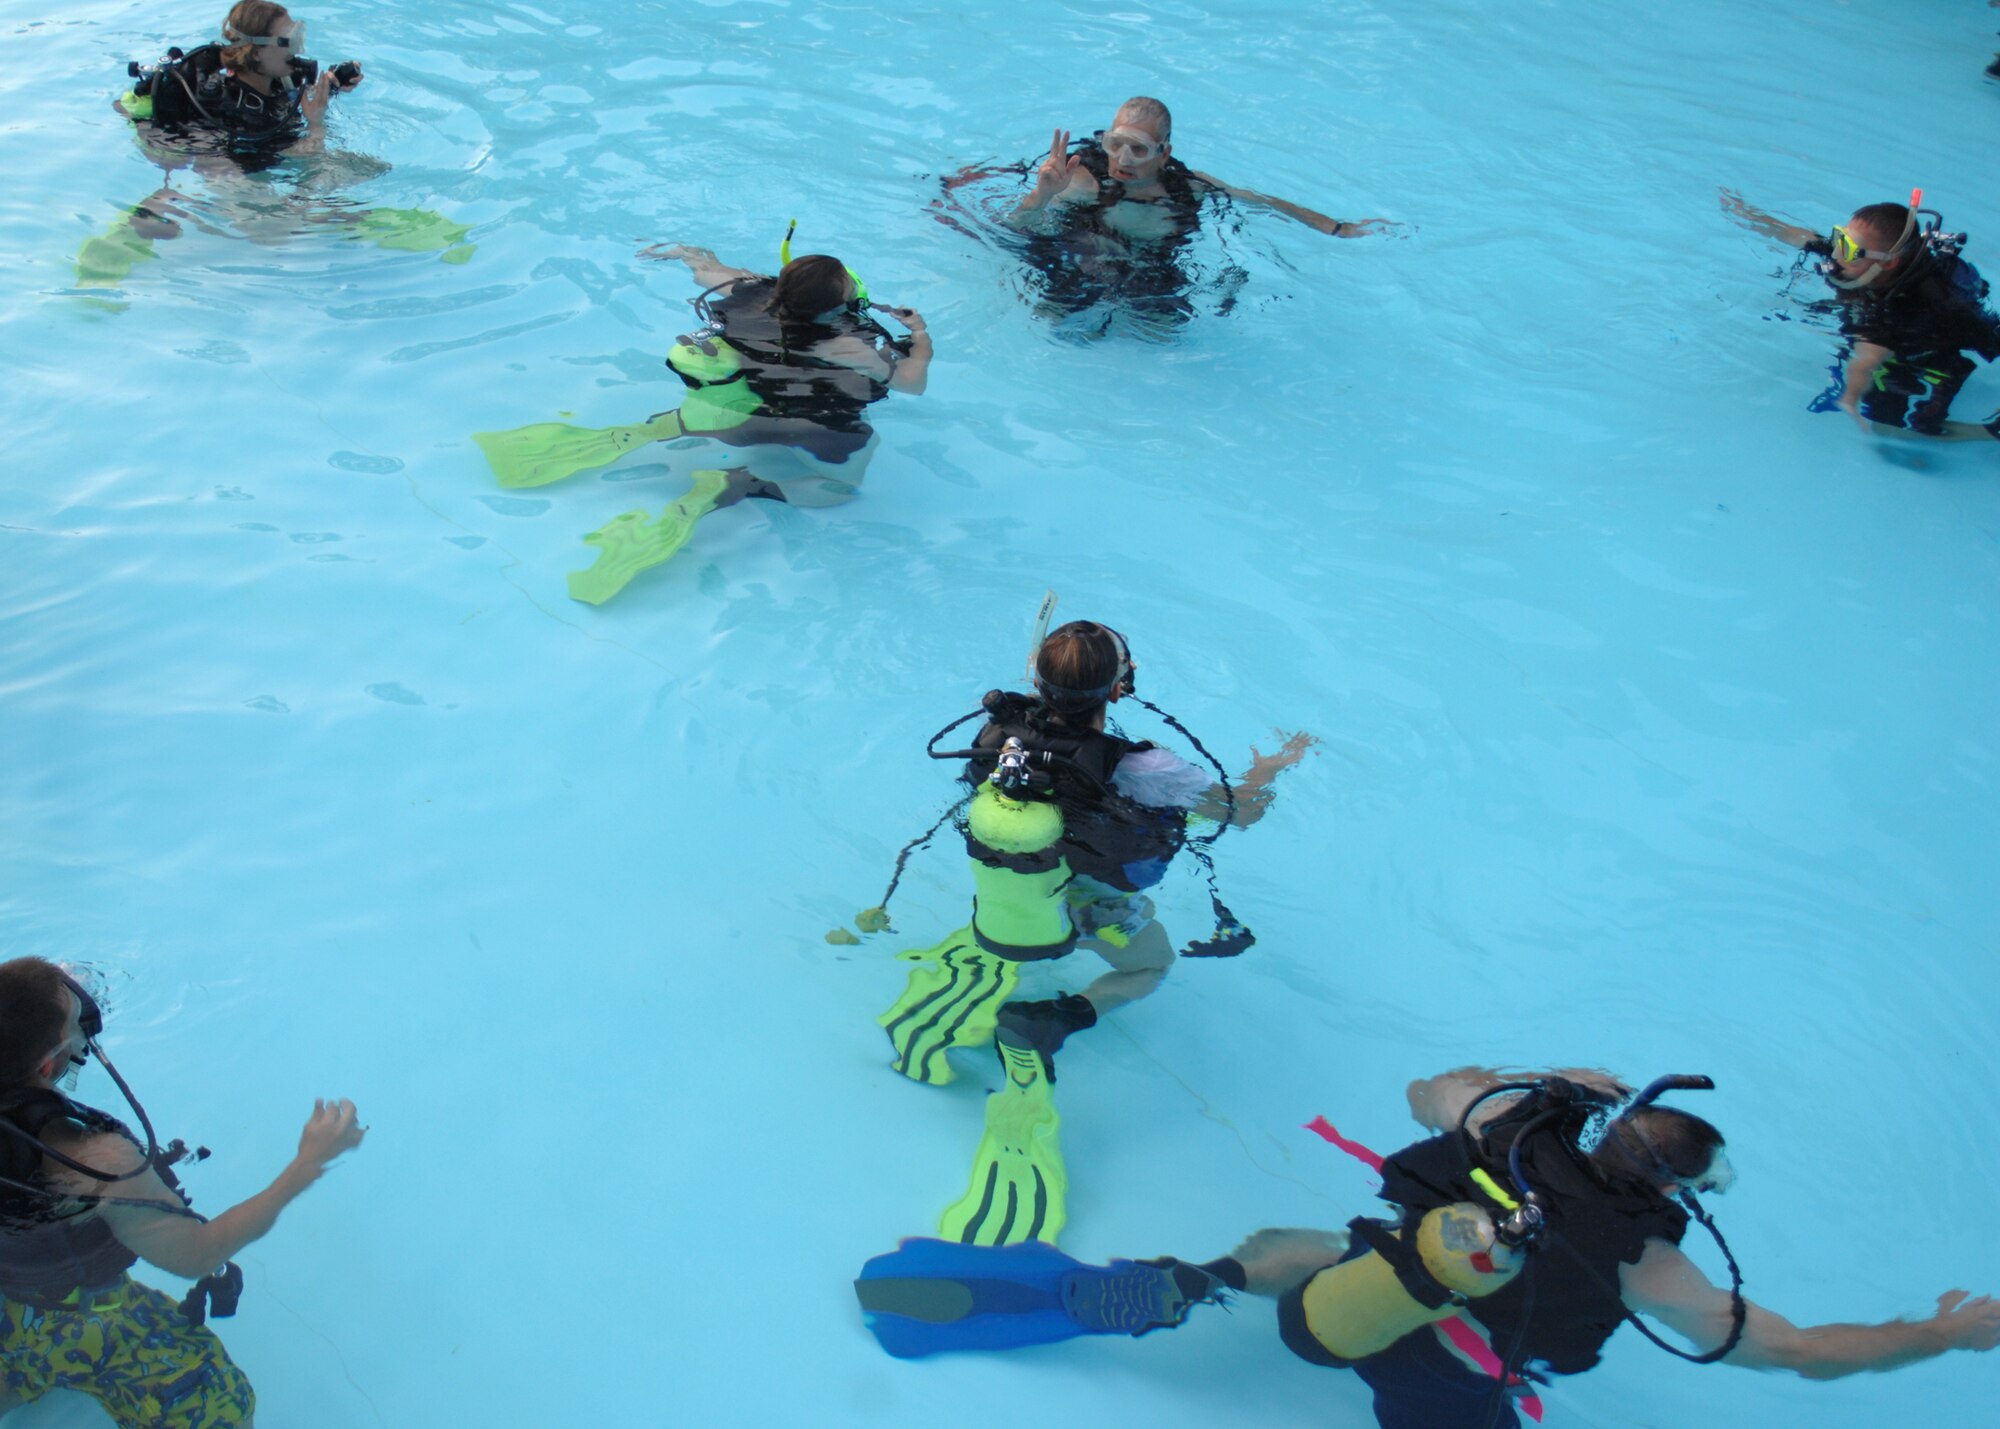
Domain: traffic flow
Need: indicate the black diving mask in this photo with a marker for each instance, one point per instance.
(89, 1020)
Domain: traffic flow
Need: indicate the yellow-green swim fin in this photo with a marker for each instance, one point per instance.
(415, 230)
(543, 452)
(629, 544)
(954, 994)
(107, 259)
(1018, 1181)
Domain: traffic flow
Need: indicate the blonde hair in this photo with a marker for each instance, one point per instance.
(249, 19)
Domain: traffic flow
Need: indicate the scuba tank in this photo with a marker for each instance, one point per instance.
(1362, 1306)
(1018, 871)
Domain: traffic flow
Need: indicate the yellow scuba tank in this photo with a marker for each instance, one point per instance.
(1359, 1307)
(1020, 916)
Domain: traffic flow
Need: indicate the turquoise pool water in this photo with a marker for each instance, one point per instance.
(1656, 710)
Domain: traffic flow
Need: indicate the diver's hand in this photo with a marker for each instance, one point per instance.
(313, 106)
(676, 253)
(1264, 767)
(1968, 1324)
(330, 1131)
(1274, 1261)
(908, 317)
(1354, 227)
(1056, 172)
(340, 86)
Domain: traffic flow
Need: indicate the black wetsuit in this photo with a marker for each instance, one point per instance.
(50, 1246)
(196, 97)
(806, 401)
(1929, 318)
(1555, 1316)
(1086, 262)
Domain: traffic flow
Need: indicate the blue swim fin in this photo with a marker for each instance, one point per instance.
(930, 1296)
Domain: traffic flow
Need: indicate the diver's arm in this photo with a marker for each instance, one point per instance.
(1312, 218)
(1862, 365)
(1666, 1284)
(183, 1246)
(1253, 791)
(313, 108)
(1759, 221)
(912, 374)
(708, 270)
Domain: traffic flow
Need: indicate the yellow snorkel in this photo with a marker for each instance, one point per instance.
(861, 303)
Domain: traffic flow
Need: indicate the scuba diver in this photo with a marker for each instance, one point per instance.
(254, 92)
(782, 373)
(1910, 309)
(82, 1199)
(1110, 217)
(242, 105)
(1068, 824)
(1547, 1210)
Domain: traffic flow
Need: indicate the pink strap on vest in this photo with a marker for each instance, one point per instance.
(1469, 1341)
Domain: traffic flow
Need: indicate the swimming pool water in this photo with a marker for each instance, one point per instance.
(1655, 710)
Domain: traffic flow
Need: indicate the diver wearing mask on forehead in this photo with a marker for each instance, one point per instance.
(83, 1198)
(1910, 308)
(256, 88)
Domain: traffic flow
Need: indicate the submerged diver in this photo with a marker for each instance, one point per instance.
(244, 104)
(82, 1199)
(1067, 826)
(1910, 309)
(1547, 1219)
(782, 374)
(1108, 217)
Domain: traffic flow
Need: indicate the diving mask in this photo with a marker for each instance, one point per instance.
(1846, 248)
(294, 43)
(1719, 1176)
(90, 1017)
(1133, 146)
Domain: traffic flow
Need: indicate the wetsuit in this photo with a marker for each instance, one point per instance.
(1928, 318)
(72, 1317)
(1086, 262)
(1552, 1318)
(195, 96)
(759, 380)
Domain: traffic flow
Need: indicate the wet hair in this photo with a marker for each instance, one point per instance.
(251, 19)
(1077, 667)
(1150, 115)
(810, 287)
(33, 1014)
(1887, 219)
(1663, 1144)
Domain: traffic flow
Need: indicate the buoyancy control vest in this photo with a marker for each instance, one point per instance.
(50, 1246)
(749, 347)
(196, 91)
(1106, 835)
(1565, 1304)
(1183, 195)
